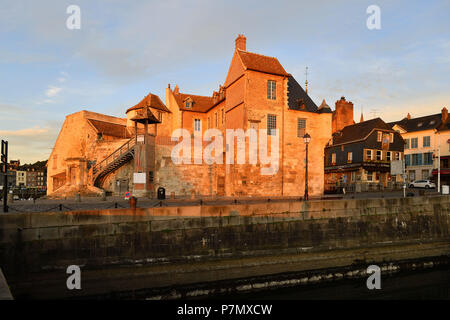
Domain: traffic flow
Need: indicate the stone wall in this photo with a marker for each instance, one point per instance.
(38, 241)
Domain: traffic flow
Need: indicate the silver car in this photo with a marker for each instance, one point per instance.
(427, 184)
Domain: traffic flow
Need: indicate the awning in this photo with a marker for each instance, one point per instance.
(443, 172)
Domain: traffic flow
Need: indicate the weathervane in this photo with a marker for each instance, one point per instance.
(306, 81)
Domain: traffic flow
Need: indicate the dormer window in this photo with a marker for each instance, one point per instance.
(432, 122)
(420, 124)
(188, 103)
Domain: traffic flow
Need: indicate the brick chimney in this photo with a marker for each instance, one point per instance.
(444, 114)
(241, 42)
(342, 115)
(408, 116)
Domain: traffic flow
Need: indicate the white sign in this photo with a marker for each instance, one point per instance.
(140, 138)
(139, 177)
(396, 167)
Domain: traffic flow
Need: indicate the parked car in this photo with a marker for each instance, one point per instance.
(427, 184)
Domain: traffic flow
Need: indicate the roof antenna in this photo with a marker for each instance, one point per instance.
(306, 81)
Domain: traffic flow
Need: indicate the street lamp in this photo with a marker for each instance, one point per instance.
(306, 139)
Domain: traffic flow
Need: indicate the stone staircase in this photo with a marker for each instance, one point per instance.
(113, 162)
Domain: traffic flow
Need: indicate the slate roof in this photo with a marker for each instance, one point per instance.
(200, 103)
(359, 131)
(297, 97)
(324, 108)
(259, 62)
(151, 100)
(110, 129)
(418, 124)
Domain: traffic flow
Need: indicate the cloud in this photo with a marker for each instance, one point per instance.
(28, 132)
(31, 144)
(64, 76)
(52, 91)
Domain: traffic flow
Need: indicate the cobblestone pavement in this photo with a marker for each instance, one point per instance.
(91, 203)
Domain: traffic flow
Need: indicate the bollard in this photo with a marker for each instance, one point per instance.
(10, 198)
(115, 205)
(133, 202)
(60, 207)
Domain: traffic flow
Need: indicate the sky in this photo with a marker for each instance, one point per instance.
(126, 49)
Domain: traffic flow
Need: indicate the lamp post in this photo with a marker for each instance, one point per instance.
(306, 139)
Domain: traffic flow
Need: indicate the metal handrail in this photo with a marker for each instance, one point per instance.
(127, 146)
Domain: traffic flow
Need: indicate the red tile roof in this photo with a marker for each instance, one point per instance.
(200, 103)
(110, 129)
(259, 62)
(152, 101)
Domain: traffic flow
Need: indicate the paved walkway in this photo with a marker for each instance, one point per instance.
(92, 203)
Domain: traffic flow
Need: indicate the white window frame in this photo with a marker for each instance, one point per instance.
(197, 125)
(371, 155)
(379, 136)
(381, 155)
(271, 89)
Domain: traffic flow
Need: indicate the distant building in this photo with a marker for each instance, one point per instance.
(11, 179)
(35, 178)
(21, 178)
(14, 164)
(362, 153)
(422, 137)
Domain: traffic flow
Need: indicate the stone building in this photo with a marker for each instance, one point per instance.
(21, 178)
(95, 151)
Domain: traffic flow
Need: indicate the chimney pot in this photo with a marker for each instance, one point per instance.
(444, 114)
(241, 42)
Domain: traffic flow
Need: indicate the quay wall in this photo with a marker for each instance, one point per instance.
(168, 239)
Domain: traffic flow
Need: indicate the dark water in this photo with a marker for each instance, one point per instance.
(434, 284)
